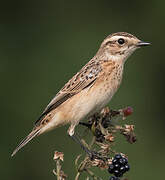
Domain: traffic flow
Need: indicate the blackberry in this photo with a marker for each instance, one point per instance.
(114, 161)
(119, 166)
(118, 156)
(111, 168)
(127, 167)
(122, 169)
(117, 173)
(114, 178)
(123, 161)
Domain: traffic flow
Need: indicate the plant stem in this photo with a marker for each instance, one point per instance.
(77, 176)
(58, 169)
(82, 165)
(91, 174)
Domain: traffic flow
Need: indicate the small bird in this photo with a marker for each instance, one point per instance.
(90, 89)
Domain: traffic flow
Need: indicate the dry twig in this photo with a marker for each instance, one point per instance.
(103, 129)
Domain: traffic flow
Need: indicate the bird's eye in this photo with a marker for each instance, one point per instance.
(121, 41)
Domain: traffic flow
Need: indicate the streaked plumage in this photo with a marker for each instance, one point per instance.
(90, 89)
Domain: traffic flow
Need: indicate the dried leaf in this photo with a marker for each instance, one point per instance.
(63, 175)
(76, 161)
(129, 128)
(58, 155)
(109, 137)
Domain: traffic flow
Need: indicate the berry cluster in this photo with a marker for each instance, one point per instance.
(118, 167)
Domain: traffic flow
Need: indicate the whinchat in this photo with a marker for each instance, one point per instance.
(90, 89)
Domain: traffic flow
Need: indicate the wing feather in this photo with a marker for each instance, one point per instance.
(83, 79)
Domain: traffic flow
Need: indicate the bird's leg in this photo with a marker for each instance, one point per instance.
(88, 125)
(93, 155)
(77, 140)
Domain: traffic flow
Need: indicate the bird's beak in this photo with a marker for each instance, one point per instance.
(142, 43)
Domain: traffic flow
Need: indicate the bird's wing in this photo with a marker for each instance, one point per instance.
(83, 79)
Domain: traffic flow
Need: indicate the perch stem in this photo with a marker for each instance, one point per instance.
(84, 162)
(58, 166)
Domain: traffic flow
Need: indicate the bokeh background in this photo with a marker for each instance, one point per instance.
(42, 44)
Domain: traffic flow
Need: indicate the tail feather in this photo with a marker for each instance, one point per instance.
(33, 134)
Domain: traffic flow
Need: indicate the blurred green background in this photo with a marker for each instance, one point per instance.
(42, 44)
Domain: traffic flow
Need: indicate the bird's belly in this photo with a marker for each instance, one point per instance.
(87, 102)
(102, 96)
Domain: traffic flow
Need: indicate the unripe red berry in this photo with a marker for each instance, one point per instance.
(127, 111)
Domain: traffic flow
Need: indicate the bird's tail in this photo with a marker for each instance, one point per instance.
(33, 134)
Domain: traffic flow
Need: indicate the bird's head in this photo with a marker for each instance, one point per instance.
(119, 46)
